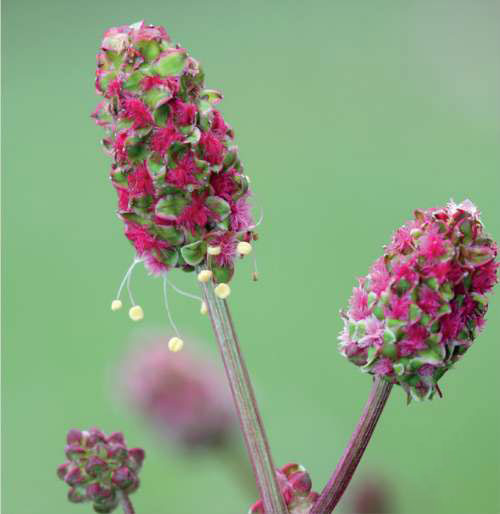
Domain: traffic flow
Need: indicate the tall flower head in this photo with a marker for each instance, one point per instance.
(176, 170)
(182, 395)
(100, 468)
(424, 301)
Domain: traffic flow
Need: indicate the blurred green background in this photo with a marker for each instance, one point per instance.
(348, 116)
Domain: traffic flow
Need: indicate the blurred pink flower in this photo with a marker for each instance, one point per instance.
(183, 394)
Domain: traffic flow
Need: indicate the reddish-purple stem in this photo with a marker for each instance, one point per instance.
(360, 438)
(128, 508)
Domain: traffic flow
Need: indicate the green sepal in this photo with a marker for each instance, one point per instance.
(142, 203)
(389, 350)
(169, 257)
(399, 368)
(133, 81)
(149, 49)
(480, 298)
(156, 165)
(212, 96)
(395, 324)
(170, 234)
(194, 137)
(378, 312)
(372, 356)
(446, 292)
(119, 178)
(223, 224)
(402, 286)
(415, 312)
(135, 218)
(389, 336)
(194, 253)
(171, 206)
(106, 79)
(157, 97)
(161, 115)
(219, 206)
(222, 274)
(137, 151)
(172, 64)
(230, 158)
(114, 58)
(372, 298)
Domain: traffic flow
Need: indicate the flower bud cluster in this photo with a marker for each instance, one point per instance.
(100, 468)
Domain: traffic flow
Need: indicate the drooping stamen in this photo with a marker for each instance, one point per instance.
(203, 307)
(175, 343)
(255, 274)
(125, 278)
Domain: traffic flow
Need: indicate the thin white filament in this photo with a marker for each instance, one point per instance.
(126, 277)
(165, 299)
(183, 293)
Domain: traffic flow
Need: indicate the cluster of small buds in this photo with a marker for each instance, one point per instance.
(100, 468)
(183, 397)
(424, 301)
(182, 193)
(295, 486)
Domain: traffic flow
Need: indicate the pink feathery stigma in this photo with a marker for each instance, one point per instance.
(424, 301)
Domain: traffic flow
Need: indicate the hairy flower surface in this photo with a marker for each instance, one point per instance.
(424, 301)
(176, 169)
(182, 395)
(100, 468)
(295, 486)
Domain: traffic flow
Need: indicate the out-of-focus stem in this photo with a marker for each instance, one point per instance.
(360, 438)
(125, 502)
(244, 399)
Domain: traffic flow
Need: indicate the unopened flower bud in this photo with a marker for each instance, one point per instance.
(295, 486)
(92, 464)
(424, 301)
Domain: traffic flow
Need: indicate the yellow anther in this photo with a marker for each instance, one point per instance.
(244, 248)
(204, 275)
(116, 305)
(136, 313)
(175, 344)
(203, 308)
(222, 290)
(213, 250)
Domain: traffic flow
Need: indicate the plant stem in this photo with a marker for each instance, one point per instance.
(244, 400)
(128, 508)
(360, 438)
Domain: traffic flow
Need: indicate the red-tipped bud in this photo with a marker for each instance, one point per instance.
(295, 485)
